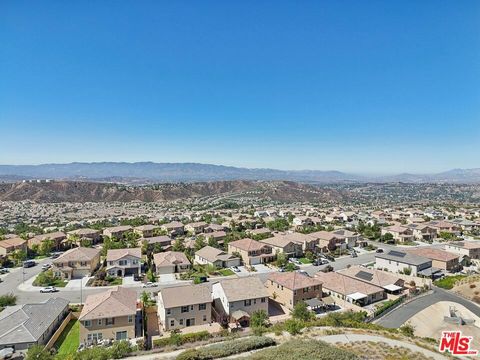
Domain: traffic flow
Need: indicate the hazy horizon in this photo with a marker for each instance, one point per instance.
(358, 87)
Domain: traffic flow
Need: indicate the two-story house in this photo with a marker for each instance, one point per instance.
(184, 306)
(91, 236)
(196, 227)
(117, 232)
(124, 262)
(212, 256)
(251, 251)
(289, 288)
(239, 298)
(56, 238)
(8, 246)
(170, 262)
(146, 231)
(109, 315)
(76, 263)
(399, 233)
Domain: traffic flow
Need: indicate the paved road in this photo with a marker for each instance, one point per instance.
(16, 277)
(399, 316)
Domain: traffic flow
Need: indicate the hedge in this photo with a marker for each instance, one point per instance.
(227, 348)
(176, 339)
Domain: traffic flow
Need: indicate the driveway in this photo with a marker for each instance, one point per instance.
(76, 283)
(129, 280)
(167, 278)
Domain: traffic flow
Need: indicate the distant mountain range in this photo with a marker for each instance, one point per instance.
(150, 172)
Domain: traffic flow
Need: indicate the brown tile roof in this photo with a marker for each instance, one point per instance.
(184, 295)
(52, 236)
(115, 254)
(243, 288)
(12, 242)
(118, 301)
(78, 254)
(293, 280)
(378, 277)
(434, 254)
(170, 258)
(212, 254)
(85, 231)
(345, 285)
(247, 244)
(466, 244)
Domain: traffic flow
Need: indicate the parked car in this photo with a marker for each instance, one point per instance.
(353, 254)
(45, 267)
(379, 250)
(55, 255)
(149, 284)
(4, 270)
(303, 272)
(137, 277)
(29, 263)
(330, 257)
(235, 269)
(295, 261)
(282, 269)
(49, 289)
(327, 268)
(6, 353)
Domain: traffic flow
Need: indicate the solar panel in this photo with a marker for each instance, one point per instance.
(364, 275)
(397, 253)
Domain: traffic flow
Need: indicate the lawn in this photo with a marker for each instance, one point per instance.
(116, 281)
(226, 272)
(305, 261)
(448, 282)
(69, 340)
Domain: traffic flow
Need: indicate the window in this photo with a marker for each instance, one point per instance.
(263, 300)
(130, 318)
(172, 322)
(121, 335)
(202, 307)
(109, 321)
(99, 322)
(184, 309)
(122, 262)
(180, 321)
(305, 289)
(169, 311)
(87, 323)
(204, 317)
(247, 302)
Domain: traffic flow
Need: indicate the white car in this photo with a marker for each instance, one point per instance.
(49, 289)
(235, 269)
(46, 266)
(149, 284)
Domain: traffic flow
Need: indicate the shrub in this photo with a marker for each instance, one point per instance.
(177, 339)
(407, 330)
(294, 326)
(473, 286)
(227, 348)
(304, 349)
(8, 300)
(301, 312)
(37, 352)
(120, 349)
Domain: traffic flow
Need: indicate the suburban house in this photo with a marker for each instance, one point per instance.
(109, 315)
(262, 231)
(281, 244)
(146, 231)
(350, 289)
(91, 235)
(57, 239)
(117, 231)
(173, 228)
(301, 221)
(209, 255)
(76, 263)
(239, 298)
(399, 233)
(440, 259)
(351, 238)
(444, 226)
(251, 251)
(289, 288)
(22, 326)
(218, 236)
(8, 246)
(471, 249)
(423, 231)
(328, 241)
(307, 242)
(170, 262)
(184, 306)
(465, 225)
(390, 283)
(164, 241)
(196, 227)
(124, 262)
(404, 262)
(214, 227)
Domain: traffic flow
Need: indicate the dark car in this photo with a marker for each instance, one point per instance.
(29, 263)
(327, 268)
(379, 250)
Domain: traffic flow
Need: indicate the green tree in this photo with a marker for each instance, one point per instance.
(259, 319)
(301, 312)
(199, 243)
(46, 247)
(178, 245)
(293, 326)
(37, 352)
(19, 256)
(281, 259)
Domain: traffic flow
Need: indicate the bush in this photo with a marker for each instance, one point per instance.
(448, 282)
(46, 278)
(303, 349)
(37, 352)
(301, 312)
(294, 326)
(176, 339)
(118, 350)
(227, 348)
(7, 300)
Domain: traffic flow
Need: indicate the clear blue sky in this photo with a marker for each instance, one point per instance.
(359, 86)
